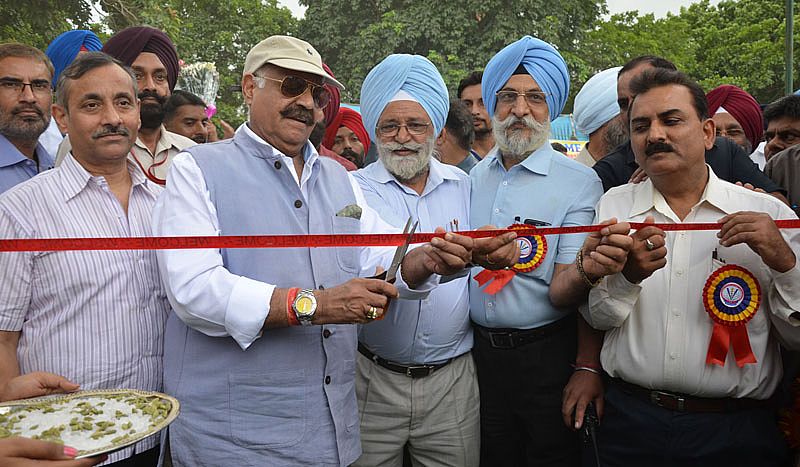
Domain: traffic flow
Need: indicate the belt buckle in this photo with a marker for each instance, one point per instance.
(418, 371)
(658, 398)
(501, 340)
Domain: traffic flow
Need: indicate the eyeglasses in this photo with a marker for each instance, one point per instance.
(293, 86)
(389, 130)
(41, 86)
(533, 98)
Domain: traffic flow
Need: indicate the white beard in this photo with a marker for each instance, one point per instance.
(406, 168)
(513, 145)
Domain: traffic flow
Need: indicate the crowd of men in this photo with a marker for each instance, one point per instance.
(498, 350)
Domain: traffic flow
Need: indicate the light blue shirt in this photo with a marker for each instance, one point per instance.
(437, 328)
(15, 168)
(545, 187)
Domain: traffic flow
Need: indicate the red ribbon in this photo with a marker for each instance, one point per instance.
(310, 241)
(722, 337)
(498, 279)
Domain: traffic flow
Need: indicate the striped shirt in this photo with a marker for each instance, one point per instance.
(95, 317)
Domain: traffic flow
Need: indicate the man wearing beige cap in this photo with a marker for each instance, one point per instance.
(261, 348)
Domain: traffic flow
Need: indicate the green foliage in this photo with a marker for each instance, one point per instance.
(457, 36)
(37, 22)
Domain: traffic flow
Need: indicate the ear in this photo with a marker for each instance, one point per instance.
(709, 133)
(441, 138)
(61, 116)
(248, 86)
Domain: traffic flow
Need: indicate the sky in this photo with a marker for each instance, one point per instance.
(659, 7)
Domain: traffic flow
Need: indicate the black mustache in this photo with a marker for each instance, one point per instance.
(298, 113)
(161, 99)
(110, 130)
(24, 108)
(658, 147)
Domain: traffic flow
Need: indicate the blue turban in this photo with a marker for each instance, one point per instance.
(64, 48)
(596, 102)
(413, 74)
(541, 61)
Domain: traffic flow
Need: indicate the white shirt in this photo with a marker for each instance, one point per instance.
(208, 297)
(658, 330)
(758, 156)
(94, 317)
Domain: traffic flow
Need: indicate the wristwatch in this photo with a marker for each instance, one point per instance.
(305, 306)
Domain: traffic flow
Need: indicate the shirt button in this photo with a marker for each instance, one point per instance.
(327, 380)
(676, 313)
(497, 210)
(298, 204)
(505, 183)
(673, 356)
(278, 165)
(679, 272)
(326, 333)
(490, 304)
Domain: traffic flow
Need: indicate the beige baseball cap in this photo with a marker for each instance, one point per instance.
(290, 53)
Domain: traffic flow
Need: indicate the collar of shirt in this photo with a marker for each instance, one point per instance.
(537, 162)
(310, 155)
(10, 155)
(648, 197)
(437, 174)
(75, 178)
(166, 141)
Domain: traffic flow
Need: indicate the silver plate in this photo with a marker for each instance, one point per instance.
(98, 395)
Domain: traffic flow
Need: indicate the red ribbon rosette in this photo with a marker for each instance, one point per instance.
(731, 298)
(532, 248)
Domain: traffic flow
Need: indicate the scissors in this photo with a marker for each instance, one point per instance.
(390, 275)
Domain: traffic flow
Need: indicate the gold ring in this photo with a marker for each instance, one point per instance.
(488, 261)
(372, 313)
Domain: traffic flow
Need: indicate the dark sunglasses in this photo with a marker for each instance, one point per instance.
(293, 86)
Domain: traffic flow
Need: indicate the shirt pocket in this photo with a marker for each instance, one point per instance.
(347, 257)
(267, 409)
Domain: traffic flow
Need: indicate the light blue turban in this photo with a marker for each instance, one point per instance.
(64, 48)
(413, 74)
(541, 61)
(596, 102)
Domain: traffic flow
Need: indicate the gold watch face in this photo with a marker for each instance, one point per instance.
(304, 305)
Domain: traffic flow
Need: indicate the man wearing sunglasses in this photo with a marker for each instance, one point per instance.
(261, 348)
(25, 97)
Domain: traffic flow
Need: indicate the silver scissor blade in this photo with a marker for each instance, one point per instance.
(400, 253)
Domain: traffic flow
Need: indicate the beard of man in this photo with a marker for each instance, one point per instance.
(354, 157)
(151, 113)
(406, 168)
(615, 135)
(27, 128)
(513, 143)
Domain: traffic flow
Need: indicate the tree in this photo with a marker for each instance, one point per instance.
(458, 36)
(37, 22)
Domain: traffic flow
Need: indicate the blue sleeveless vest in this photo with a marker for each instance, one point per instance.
(289, 399)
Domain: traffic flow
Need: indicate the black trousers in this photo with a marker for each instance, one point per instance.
(521, 423)
(634, 433)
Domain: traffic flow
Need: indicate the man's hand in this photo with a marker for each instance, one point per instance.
(443, 256)
(583, 387)
(759, 232)
(212, 131)
(647, 254)
(496, 252)
(351, 302)
(23, 452)
(227, 130)
(36, 384)
(605, 252)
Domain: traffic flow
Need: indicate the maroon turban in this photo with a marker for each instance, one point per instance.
(743, 108)
(333, 106)
(351, 119)
(127, 44)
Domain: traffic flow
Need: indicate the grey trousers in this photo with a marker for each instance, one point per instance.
(438, 415)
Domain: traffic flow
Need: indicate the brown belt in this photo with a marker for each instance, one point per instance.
(684, 403)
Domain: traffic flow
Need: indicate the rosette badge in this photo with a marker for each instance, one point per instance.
(731, 297)
(532, 250)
